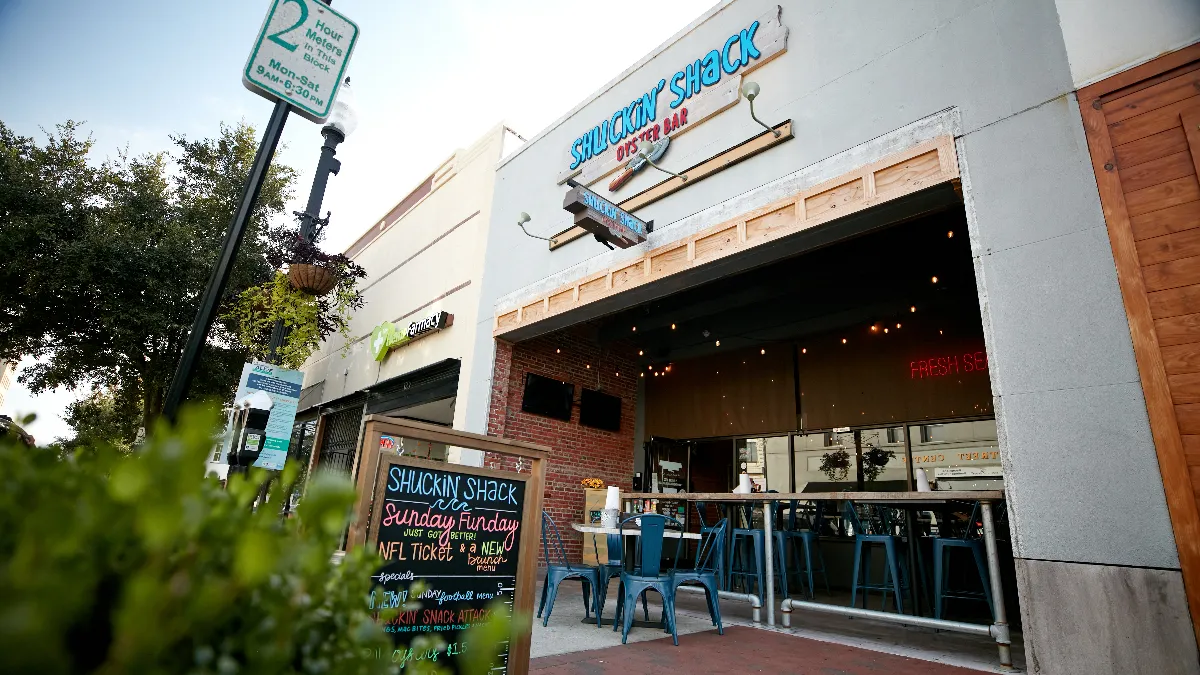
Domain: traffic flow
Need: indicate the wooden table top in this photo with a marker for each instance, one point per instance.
(935, 496)
(629, 531)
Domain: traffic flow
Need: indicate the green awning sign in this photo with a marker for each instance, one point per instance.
(387, 336)
(384, 338)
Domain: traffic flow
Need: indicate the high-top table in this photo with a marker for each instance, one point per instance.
(906, 500)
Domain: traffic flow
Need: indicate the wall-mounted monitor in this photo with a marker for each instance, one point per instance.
(548, 397)
(598, 410)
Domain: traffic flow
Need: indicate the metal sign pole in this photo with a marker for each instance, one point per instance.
(220, 274)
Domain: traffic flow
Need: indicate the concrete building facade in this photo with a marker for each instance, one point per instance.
(984, 93)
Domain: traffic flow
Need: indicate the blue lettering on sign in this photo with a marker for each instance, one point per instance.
(610, 211)
(684, 84)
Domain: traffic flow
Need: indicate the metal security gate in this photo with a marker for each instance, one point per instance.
(340, 441)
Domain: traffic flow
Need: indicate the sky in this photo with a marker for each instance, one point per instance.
(428, 77)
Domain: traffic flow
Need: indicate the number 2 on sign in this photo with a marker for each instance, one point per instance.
(274, 37)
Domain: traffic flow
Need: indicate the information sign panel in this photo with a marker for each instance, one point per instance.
(300, 56)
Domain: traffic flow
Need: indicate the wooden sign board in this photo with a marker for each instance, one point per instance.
(604, 219)
(460, 545)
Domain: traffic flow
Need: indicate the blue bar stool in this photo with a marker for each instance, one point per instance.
(968, 538)
(895, 569)
(810, 540)
(748, 558)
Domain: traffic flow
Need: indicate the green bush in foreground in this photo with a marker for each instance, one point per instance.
(117, 564)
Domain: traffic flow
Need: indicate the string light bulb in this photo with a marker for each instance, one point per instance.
(885, 330)
(897, 325)
(641, 352)
(843, 340)
(804, 350)
(589, 366)
(913, 308)
(672, 326)
(762, 351)
(950, 234)
(935, 280)
(635, 329)
(558, 351)
(874, 328)
(718, 343)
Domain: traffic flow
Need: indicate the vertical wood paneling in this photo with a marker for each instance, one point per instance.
(1149, 193)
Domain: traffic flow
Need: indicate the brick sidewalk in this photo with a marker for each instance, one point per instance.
(740, 650)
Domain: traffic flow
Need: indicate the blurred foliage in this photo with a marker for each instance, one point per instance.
(113, 563)
(105, 262)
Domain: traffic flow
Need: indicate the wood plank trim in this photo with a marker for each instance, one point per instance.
(921, 166)
(1181, 500)
(1138, 74)
(695, 173)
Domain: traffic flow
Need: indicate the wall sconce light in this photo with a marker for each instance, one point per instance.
(751, 90)
(646, 150)
(524, 218)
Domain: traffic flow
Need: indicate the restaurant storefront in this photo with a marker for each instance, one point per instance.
(896, 260)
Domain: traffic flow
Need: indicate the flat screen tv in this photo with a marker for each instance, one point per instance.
(598, 410)
(544, 396)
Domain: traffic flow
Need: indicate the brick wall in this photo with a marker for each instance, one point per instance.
(578, 452)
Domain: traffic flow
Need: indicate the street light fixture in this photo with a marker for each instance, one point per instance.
(341, 123)
(751, 91)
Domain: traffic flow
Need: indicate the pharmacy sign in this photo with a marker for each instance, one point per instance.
(300, 56)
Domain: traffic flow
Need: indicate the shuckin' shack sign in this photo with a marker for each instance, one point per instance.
(604, 219)
(700, 89)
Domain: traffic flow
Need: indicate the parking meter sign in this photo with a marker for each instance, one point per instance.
(300, 56)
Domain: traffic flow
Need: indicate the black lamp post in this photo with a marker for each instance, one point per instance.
(341, 123)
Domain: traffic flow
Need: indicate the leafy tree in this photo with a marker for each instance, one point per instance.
(103, 417)
(115, 563)
(104, 264)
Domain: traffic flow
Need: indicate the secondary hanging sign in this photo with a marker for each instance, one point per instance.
(300, 56)
(604, 219)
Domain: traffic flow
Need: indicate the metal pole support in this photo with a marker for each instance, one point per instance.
(754, 600)
(1003, 641)
(769, 553)
(217, 281)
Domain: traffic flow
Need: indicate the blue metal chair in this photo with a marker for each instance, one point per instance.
(706, 571)
(722, 552)
(649, 574)
(876, 530)
(967, 537)
(559, 569)
(810, 540)
(611, 568)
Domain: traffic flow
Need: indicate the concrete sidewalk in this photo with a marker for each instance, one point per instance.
(833, 641)
(740, 650)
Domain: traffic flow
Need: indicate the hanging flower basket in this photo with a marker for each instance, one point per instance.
(312, 279)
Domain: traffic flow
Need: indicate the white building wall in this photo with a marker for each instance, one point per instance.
(427, 260)
(1104, 37)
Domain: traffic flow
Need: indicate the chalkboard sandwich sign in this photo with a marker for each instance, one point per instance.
(460, 545)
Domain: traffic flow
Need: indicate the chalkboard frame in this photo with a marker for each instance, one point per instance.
(371, 477)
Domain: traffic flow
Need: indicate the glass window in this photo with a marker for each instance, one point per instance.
(959, 455)
(766, 461)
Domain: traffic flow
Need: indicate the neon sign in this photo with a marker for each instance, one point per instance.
(684, 84)
(940, 366)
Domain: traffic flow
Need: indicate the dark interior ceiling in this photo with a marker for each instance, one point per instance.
(874, 277)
